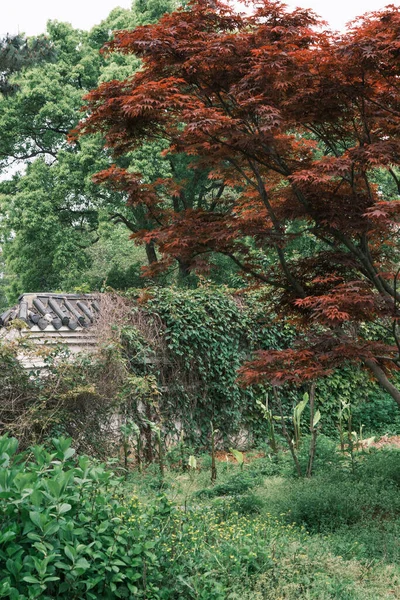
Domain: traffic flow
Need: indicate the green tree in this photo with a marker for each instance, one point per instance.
(51, 210)
(17, 53)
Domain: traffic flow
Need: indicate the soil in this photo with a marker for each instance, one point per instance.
(224, 456)
(386, 440)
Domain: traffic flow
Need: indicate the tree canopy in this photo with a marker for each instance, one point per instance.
(52, 213)
(298, 122)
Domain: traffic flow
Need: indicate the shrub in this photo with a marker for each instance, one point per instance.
(248, 504)
(383, 464)
(326, 455)
(266, 467)
(237, 484)
(66, 531)
(70, 530)
(326, 504)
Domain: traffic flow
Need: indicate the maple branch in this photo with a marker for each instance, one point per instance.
(323, 137)
(243, 173)
(370, 270)
(214, 203)
(385, 108)
(395, 313)
(278, 228)
(119, 218)
(396, 179)
(382, 378)
(251, 271)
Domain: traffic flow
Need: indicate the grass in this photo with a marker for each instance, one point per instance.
(261, 534)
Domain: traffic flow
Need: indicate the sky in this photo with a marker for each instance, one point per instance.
(30, 16)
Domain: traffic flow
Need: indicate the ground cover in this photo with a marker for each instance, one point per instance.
(71, 528)
(261, 533)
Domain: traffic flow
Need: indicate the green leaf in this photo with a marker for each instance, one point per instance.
(70, 553)
(239, 456)
(317, 418)
(69, 453)
(37, 518)
(51, 528)
(30, 579)
(63, 508)
(82, 563)
(192, 462)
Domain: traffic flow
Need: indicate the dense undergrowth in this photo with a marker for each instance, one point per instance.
(71, 528)
(175, 353)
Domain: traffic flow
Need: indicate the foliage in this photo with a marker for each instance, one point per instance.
(332, 565)
(206, 333)
(71, 397)
(245, 97)
(67, 531)
(172, 353)
(79, 533)
(17, 53)
(337, 498)
(53, 216)
(236, 485)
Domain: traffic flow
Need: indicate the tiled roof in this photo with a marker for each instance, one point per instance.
(53, 311)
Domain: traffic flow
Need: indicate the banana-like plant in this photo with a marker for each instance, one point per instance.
(269, 417)
(297, 412)
(238, 456)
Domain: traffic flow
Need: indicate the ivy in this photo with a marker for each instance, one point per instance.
(207, 333)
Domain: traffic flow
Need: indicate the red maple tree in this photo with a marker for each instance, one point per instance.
(296, 122)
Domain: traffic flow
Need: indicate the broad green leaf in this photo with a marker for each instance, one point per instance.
(37, 519)
(63, 508)
(70, 553)
(317, 418)
(239, 456)
(30, 579)
(192, 462)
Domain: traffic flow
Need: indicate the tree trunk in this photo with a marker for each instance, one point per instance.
(381, 377)
(213, 464)
(151, 252)
(184, 271)
(148, 436)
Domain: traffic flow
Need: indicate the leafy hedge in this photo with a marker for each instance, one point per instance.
(67, 530)
(209, 332)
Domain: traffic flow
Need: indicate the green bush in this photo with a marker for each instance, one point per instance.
(66, 531)
(70, 529)
(326, 459)
(266, 466)
(329, 503)
(383, 464)
(236, 484)
(248, 504)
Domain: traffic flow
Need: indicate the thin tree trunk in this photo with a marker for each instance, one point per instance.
(161, 455)
(213, 465)
(151, 252)
(184, 269)
(148, 436)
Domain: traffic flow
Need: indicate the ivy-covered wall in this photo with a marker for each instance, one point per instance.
(205, 336)
(169, 357)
